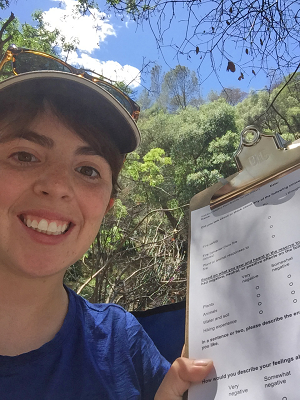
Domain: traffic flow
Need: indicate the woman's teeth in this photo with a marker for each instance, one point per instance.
(51, 228)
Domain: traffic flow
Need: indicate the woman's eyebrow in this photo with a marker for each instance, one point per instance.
(31, 136)
(47, 142)
(87, 151)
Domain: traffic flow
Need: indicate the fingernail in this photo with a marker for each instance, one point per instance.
(201, 363)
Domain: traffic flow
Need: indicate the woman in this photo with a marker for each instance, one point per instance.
(62, 145)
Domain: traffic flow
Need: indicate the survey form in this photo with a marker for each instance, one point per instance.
(244, 294)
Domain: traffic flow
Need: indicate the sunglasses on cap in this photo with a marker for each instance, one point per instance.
(26, 60)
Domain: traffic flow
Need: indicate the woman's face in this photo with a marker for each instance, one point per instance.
(54, 193)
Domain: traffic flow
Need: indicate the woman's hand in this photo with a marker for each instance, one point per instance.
(182, 373)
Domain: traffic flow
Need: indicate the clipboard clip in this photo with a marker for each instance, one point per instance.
(260, 158)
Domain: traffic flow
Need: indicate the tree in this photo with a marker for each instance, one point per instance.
(156, 82)
(180, 88)
(277, 110)
(174, 90)
(3, 37)
(213, 96)
(149, 97)
(186, 137)
(233, 96)
(144, 100)
(195, 160)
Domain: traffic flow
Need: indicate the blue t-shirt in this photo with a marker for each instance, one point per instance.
(101, 352)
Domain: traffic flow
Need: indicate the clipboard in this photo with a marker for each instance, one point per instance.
(260, 159)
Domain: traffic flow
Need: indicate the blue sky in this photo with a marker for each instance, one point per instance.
(119, 49)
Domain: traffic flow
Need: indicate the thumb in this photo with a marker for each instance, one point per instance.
(182, 373)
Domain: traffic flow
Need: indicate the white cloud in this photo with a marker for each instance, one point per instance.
(110, 69)
(89, 31)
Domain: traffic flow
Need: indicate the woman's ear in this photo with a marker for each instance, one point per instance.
(110, 204)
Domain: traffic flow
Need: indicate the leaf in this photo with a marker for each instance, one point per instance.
(197, 50)
(253, 72)
(247, 51)
(230, 66)
(230, 9)
(227, 22)
(241, 76)
(261, 42)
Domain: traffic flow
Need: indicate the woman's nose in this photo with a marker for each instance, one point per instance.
(55, 181)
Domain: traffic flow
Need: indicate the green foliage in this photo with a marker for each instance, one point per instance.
(222, 150)
(24, 35)
(251, 110)
(85, 6)
(149, 171)
(197, 140)
(278, 110)
(36, 36)
(201, 179)
(110, 237)
(158, 130)
(194, 164)
(33, 37)
(144, 100)
(125, 88)
(200, 143)
(4, 4)
(119, 210)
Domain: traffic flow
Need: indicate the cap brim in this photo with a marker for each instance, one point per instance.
(116, 119)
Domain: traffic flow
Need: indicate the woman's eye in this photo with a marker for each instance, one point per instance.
(24, 157)
(88, 171)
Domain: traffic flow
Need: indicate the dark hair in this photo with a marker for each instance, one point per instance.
(21, 103)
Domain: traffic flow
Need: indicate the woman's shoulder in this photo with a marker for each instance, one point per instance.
(100, 313)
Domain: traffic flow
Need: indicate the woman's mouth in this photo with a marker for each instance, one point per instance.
(48, 227)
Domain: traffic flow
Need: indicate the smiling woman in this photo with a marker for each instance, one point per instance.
(63, 141)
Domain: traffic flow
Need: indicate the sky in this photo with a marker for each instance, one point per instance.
(119, 49)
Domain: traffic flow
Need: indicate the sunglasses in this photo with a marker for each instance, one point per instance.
(25, 60)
